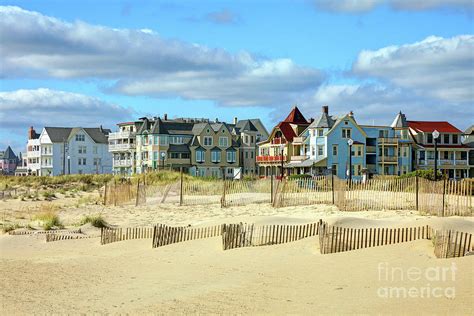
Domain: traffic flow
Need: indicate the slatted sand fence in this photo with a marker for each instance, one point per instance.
(250, 235)
(202, 192)
(244, 192)
(452, 244)
(333, 239)
(44, 232)
(58, 237)
(430, 197)
(306, 191)
(119, 193)
(113, 234)
(376, 194)
(165, 235)
(458, 198)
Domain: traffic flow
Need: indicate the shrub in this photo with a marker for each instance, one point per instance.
(94, 220)
(8, 228)
(299, 176)
(48, 218)
(426, 174)
(49, 195)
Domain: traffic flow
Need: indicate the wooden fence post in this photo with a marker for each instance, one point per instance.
(332, 186)
(444, 194)
(271, 188)
(223, 193)
(180, 186)
(138, 192)
(416, 190)
(105, 193)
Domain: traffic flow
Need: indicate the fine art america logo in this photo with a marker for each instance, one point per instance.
(415, 282)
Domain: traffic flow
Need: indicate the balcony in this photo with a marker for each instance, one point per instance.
(299, 158)
(388, 140)
(443, 162)
(122, 163)
(270, 158)
(299, 140)
(121, 135)
(278, 141)
(121, 147)
(387, 159)
(370, 149)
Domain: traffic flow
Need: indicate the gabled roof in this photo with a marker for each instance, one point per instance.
(99, 135)
(9, 154)
(400, 120)
(199, 127)
(159, 127)
(61, 134)
(431, 126)
(145, 126)
(324, 121)
(287, 131)
(469, 130)
(246, 125)
(295, 117)
(58, 134)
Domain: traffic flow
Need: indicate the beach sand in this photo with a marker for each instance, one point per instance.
(81, 276)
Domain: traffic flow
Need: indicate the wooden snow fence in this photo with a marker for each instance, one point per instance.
(249, 235)
(306, 191)
(166, 235)
(333, 239)
(452, 244)
(201, 192)
(43, 232)
(243, 192)
(109, 235)
(58, 237)
(119, 193)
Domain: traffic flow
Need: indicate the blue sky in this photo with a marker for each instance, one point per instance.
(100, 62)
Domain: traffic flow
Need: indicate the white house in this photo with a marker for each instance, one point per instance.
(64, 150)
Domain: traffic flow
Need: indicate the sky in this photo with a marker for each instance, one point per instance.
(90, 63)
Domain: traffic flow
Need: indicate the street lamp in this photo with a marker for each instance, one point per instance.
(350, 142)
(435, 138)
(163, 154)
(282, 148)
(68, 164)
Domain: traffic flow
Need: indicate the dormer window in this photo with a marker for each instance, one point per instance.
(320, 132)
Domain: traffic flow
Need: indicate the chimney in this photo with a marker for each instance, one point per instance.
(101, 129)
(217, 120)
(325, 109)
(235, 120)
(165, 117)
(31, 133)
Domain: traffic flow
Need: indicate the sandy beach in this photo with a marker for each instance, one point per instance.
(81, 276)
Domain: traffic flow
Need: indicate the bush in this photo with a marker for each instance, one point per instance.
(426, 174)
(299, 176)
(8, 228)
(49, 195)
(94, 220)
(48, 218)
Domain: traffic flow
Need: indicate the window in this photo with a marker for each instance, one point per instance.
(320, 132)
(446, 138)
(405, 151)
(334, 150)
(163, 140)
(177, 140)
(455, 139)
(207, 140)
(200, 156)
(231, 156)
(320, 150)
(185, 156)
(246, 139)
(224, 141)
(80, 138)
(246, 155)
(81, 161)
(155, 155)
(251, 155)
(96, 161)
(429, 138)
(313, 151)
(445, 154)
(251, 139)
(82, 149)
(334, 169)
(174, 155)
(156, 140)
(346, 133)
(216, 156)
(94, 150)
(359, 151)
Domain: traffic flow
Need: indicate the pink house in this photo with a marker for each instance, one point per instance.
(8, 162)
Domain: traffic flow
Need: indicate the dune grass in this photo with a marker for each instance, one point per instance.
(95, 220)
(48, 217)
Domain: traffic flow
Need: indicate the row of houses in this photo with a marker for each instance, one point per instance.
(202, 147)
(335, 144)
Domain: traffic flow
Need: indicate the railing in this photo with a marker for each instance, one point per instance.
(121, 135)
(387, 159)
(299, 158)
(278, 141)
(388, 140)
(120, 147)
(122, 163)
(299, 140)
(444, 162)
(371, 149)
(270, 158)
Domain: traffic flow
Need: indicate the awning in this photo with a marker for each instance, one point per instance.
(306, 163)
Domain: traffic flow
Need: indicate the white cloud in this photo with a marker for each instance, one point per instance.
(436, 67)
(143, 63)
(44, 107)
(378, 104)
(222, 17)
(360, 6)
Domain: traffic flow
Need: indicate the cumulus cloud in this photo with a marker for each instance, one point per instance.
(378, 104)
(436, 67)
(143, 63)
(44, 107)
(359, 6)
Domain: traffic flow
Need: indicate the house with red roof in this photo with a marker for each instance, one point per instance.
(280, 147)
(452, 153)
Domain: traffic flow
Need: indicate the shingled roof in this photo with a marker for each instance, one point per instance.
(431, 126)
(8, 154)
(61, 134)
(295, 117)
